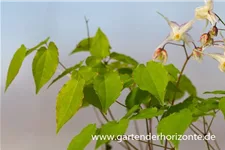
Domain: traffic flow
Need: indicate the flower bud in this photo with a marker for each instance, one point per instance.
(214, 31)
(206, 39)
(161, 55)
(197, 54)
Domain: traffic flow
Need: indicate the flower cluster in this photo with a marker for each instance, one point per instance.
(179, 33)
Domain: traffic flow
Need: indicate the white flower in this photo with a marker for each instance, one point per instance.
(206, 12)
(178, 32)
(220, 58)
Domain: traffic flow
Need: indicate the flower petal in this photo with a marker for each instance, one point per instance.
(187, 38)
(219, 57)
(186, 27)
(201, 12)
(209, 4)
(212, 18)
(173, 25)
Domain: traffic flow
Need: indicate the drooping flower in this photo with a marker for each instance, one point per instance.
(197, 54)
(220, 58)
(206, 40)
(178, 32)
(206, 12)
(161, 55)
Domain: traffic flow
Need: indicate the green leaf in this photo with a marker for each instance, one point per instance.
(123, 58)
(152, 78)
(15, 65)
(91, 97)
(108, 88)
(44, 65)
(189, 103)
(128, 71)
(176, 123)
(186, 86)
(87, 73)
(137, 97)
(112, 128)
(147, 113)
(172, 70)
(81, 140)
(117, 65)
(65, 72)
(83, 45)
(37, 46)
(171, 89)
(94, 61)
(126, 80)
(215, 92)
(222, 106)
(100, 46)
(130, 112)
(208, 105)
(69, 100)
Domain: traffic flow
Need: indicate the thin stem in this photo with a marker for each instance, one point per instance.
(121, 104)
(193, 130)
(194, 44)
(185, 49)
(204, 125)
(128, 147)
(207, 143)
(88, 32)
(110, 114)
(147, 127)
(220, 19)
(153, 144)
(210, 124)
(219, 41)
(197, 129)
(64, 67)
(131, 145)
(138, 132)
(172, 44)
(165, 147)
(204, 140)
(180, 75)
(106, 119)
(97, 115)
(150, 129)
(215, 141)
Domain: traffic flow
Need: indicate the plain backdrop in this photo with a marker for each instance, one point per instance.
(28, 120)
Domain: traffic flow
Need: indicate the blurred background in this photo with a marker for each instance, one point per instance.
(28, 120)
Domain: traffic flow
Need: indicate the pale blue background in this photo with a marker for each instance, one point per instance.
(28, 121)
